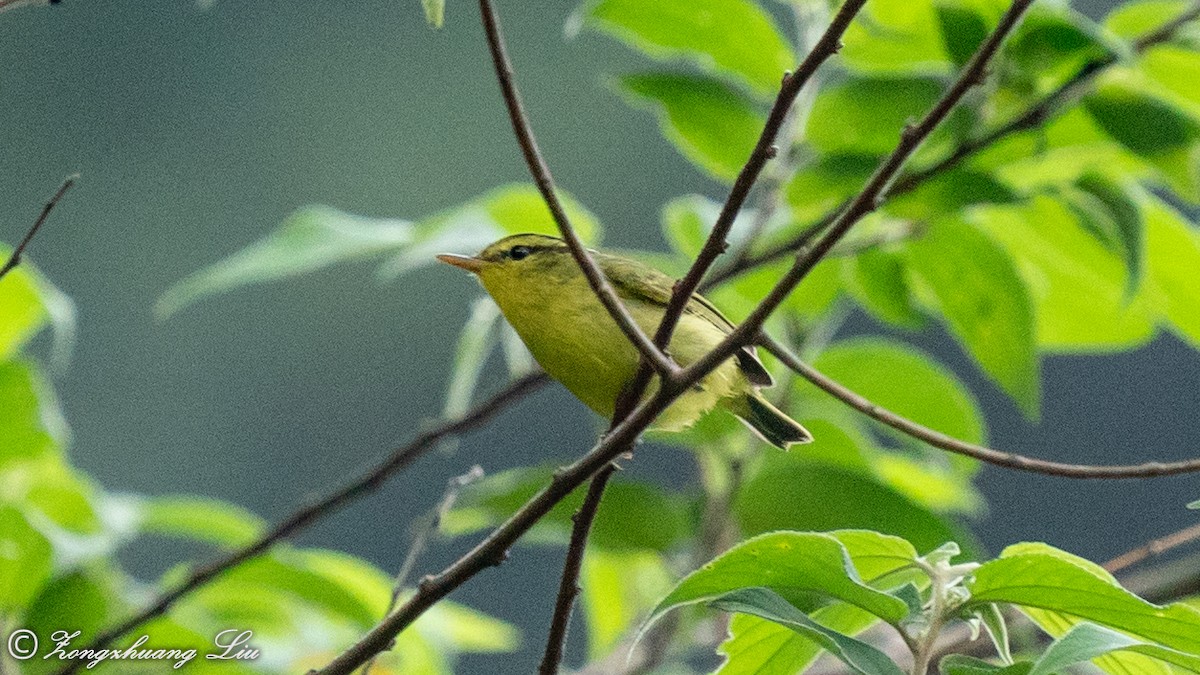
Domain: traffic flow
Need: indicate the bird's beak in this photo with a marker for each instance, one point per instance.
(466, 262)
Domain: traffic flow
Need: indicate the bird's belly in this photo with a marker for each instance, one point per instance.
(580, 345)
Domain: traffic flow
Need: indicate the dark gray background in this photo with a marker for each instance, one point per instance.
(196, 132)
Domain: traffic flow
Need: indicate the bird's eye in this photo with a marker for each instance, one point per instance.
(519, 252)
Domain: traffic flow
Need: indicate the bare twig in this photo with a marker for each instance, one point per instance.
(950, 444)
(493, 549)
(808, 19)
(1033, 116)
(1154, 548)
(15, 258)
(653, 353)
(545, 184)
(365, 484)
(424, 530)
(568, 587)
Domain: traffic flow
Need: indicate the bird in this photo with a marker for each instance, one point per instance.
(543, 294)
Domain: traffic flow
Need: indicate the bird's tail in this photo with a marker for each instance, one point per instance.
(770, 422)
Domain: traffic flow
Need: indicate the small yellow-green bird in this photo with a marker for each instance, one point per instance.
(546, 298)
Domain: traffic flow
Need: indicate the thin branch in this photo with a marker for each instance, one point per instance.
(950, 444)
(1154, 548)
(494, 548)
(764, 150)
(300, 520)
(15, 258)
(826, 46)
(653, 353)
(1033, 117)
(425, 528)
(545, 184)
(867, 200)
(568, 587)
(807, 18)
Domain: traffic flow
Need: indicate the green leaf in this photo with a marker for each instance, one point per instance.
(27, 301)
(310, 239)
(876, 554)
(953, 191)
(760, 647)
(1088, 641)
(619, 587)
(974, 285)
(635, 515)
(475, 342)
(24, 560)
(509, 209)
(790, 492)
(877, 279)
(1176, 70)
(1194, 505)
(905, 380)
(21, 312)
(1110, 213)
(435, 12)
(1052, 43)
(1132, 20)
(338, 586)
(801, 566)
(1146, 125)
(1039, 577)
(859, 656)
(79, 600)
(712, 124)
(61, 494)
(1173, 262)
(961, 664)
(963, 30)
(997, 629)
(895, 36)
(865, 115)
(731, 37)
(822, 185)
(463, 629)
(200, 519)
(686, 222)
(28, 418)
(1061, 263)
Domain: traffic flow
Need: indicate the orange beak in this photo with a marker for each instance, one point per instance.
(466, 262)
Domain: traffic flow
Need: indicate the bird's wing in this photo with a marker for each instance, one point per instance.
(636, 280)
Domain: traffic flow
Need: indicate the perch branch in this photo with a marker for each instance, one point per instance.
(764, 149)
(493, 549)
(954, 445)
(826, 46)
(15, 258)
(365, 484)
(545, 184)
(568, 587)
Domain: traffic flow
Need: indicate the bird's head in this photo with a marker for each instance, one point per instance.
(518, 260)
